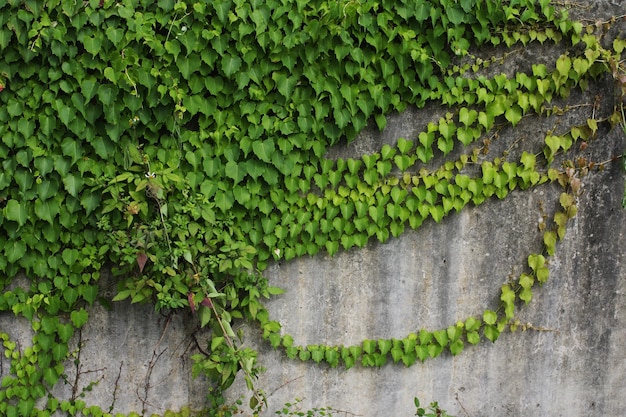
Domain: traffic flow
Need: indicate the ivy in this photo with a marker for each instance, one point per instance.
(185, 143)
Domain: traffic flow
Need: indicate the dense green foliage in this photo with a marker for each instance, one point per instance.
(183, 143)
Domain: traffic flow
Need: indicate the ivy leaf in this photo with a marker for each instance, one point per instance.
(455, 14)
(88, 87)
(59, 352)
(473, 337)
(549, 239)
(204, 314)
(47, 188)
(70, 256)
(88, 293)
(230, 64)
(70, 294)
(264, 149)
(47, 209)
(235, 171)
(456, 347)
(14, 250)
(79, 317)
(492, 333)
(508, 299)
(284, 84)
(513, 114)
(222, 7)
(65, 331)
(317, 353)
(90, 200)
(16, 212)
(72, 148)
(224, 200)
(50, 376)
(106, 94)
(490, 317)
(115, 35)
(189, 65)
(73, 184)
(25, 406)
(93, 44)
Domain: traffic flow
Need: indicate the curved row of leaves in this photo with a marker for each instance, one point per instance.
(184, 143)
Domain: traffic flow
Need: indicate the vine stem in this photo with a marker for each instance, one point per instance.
(231, 345)
(151, 365)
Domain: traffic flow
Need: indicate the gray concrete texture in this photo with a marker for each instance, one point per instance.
(570, 362)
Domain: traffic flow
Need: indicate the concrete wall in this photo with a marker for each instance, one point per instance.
(571, 363)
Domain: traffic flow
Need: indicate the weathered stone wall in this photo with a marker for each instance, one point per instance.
(568, 362)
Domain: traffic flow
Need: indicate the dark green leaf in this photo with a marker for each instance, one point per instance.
(16, 211)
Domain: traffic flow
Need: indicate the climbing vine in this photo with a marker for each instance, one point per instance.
(183, 144)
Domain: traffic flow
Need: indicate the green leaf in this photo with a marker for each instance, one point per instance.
(563, 65)
(90, 200)
(224, 200)
(456, 347)
(536, 261)
(122, 295)
(317, 353)
(526, 295)
(492, 333)
(204, 313)
(549, 239)
(190, 64)
(89, 293)
(46, 340)
(79, 317)
(65, 331)
(526, 281)
(70, 256)
(73, 184)
(51, 376)
(554, 144)
(264, 149)
(442, 337)
(15, 211)
(107, 94)
(332, 357)
(285, 84)
(216, 341)
(513, 114)
(490, 317)
(14, 250)
(235, 171)
(369, 346)
(455, 14)
(47, 188)
(59, 352)
(25, 406)
(93, 44)
(70, 294)
(508, 299)
(49, 325)
(88, 87)
(473, 337)
(384, 346)
(48, 210)
(230, 64)
(381, 121)
(115, 35)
